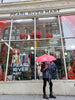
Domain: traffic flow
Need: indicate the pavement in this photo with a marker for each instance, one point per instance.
(33, 97)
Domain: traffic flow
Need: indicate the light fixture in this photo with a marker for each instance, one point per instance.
(32, 48)
(73, 46)
(65, 53)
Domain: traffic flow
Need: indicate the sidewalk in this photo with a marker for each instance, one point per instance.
(33, 97)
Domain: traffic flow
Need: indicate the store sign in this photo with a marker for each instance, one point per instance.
(35, 12)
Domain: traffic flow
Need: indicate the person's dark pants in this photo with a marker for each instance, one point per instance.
(45, 80)
(32, 71)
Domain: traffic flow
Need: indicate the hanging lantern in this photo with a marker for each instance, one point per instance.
(38, 35)
(23, 36)
(15, 50)
(49, 35)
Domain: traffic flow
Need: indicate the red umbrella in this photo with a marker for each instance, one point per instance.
(45, 58)
(16, 50)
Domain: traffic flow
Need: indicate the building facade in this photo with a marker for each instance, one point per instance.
(28, 29)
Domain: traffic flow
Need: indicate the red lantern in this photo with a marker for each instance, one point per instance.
(38, 34)
(49, 35)
(23, 36)
(15, 50)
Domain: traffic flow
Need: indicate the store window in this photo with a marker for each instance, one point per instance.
(68, 26)
(4, 45)
(26, 45)
(50, 40)
(22, 51)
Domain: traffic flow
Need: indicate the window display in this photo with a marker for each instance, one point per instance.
(29, 42)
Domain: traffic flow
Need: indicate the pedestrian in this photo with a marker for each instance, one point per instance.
(53, 70)
(46, 78)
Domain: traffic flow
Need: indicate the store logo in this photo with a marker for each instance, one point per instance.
(35, 12)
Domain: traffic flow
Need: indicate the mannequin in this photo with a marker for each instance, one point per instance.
(24, 59)
(68, 67)
(15, 58)
(15, 63)
(32, 64)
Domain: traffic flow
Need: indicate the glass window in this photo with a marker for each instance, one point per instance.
(21, 65)
(17, 38)
(12, 37)
(68, 25)
(6, 31)
(5, 38)
(18, 31)
(21, 58)
(52, 44)
(13, 31)
(68, 28)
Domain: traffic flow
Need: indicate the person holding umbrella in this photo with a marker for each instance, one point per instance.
(45, 69)
(46, 61)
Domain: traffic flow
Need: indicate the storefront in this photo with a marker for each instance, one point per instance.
(29, 30)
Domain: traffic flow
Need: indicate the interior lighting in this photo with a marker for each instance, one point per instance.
(32, 48)
(22, 20)
(73, 46)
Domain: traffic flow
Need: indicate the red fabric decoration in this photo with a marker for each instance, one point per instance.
(38, 34)
(15, 49)
(4, 53)
(3, 25)
(23, 36)
(49, 35)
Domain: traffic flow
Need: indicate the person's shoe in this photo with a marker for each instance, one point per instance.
(52, 96)
(45, 97)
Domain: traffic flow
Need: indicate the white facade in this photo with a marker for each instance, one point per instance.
(30, 9)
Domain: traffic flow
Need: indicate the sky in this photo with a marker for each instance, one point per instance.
(10, 0)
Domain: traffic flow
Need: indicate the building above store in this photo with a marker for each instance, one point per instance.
(31, 8)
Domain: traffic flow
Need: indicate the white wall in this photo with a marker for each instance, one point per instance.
(0, 1)
(61, 87)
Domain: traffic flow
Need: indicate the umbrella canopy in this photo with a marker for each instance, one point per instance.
(45, 58)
